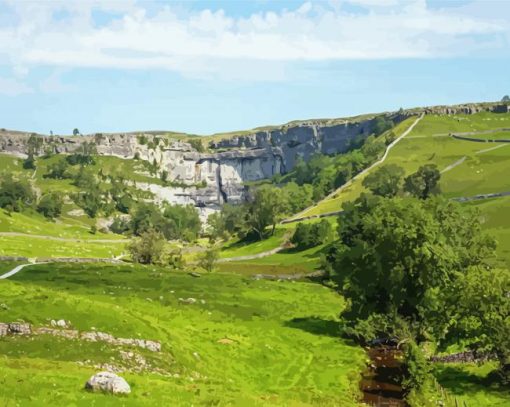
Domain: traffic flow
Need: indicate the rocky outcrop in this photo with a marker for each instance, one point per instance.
(207, 180)
(109, 383)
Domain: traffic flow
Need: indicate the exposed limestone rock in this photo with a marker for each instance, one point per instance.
(211, 179)
(108, 382)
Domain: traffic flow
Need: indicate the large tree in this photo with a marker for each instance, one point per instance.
(385, 181)
(396, 260)
(266, 209)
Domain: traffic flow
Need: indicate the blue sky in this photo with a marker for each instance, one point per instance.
(204, 66)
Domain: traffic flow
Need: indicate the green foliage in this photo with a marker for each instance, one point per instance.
(197, 145)
(418, 369)
(29, 163)
(174, 222)
(15, 195)
(50, 205)
(83, 155)
(424, 182)
(231, 220)
(119, 225)
(58, 170)
(76, 132)
(396, 259)
(309, 235)
(505, 98)
(298, 197)
(208, 259)
(148, 248)
(382, 124)
(479, 305)
(266, 208)
(385, 181)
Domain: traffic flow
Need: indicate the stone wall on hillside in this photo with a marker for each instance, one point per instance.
(219, 175)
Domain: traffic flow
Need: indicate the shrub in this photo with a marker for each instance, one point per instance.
(148, 248)
(15, 195)
(50, 205)
(311, 235)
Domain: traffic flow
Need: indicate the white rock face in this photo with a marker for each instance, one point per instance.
(108, 382)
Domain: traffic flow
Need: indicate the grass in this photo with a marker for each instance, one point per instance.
(236, 247)
(428, 143)
(473, 384)
(46, 248)
(285, 348)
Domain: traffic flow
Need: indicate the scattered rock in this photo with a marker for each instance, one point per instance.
(108, 382)
(196, 355)
(4, 306)
(195, 274)
(188, 300)
(19, 328)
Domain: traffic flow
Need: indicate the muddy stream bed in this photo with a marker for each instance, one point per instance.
(381, 382)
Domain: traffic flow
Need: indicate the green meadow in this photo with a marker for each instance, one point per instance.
(243, 342)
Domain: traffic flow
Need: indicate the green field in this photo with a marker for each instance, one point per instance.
(283, 348)
(428, 143)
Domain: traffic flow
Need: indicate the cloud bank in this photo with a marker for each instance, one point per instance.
(211, 43)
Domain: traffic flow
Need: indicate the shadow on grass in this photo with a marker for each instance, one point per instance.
(459, 381)
(316, 326)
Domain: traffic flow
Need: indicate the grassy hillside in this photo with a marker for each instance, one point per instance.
(428, 143)
(282, 347)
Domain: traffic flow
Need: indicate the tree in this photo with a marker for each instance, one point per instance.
(424, 182)
(505, 98)
(148, 248)
(309, 235)
(51, 205)
(397, 260)
(15, 195)
(480, 304)
(208, 259)
(381, 124)
(58, 170)
(266, 209)
(76, 132)
(298, 197)
(386, 181)
(83, 155)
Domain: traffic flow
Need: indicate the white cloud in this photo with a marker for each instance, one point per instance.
(13, 87)
(208, 42)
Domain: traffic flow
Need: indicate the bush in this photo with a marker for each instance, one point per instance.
(197, 145)
(148, 248)
(16, 195)
(50, 205)
(208, 259)
(311, 235)
(58, 170)
(119, 226)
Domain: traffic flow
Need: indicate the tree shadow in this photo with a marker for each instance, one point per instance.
(459, 381)
(316, 326)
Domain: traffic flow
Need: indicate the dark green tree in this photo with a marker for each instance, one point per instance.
(15, 195)
(50, 205)
(385, 181)
(424, 182)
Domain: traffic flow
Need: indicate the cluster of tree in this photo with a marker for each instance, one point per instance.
(388, 181)
(258, 217)
(323, 173)
(34, 145)
(17, 195)
(418, 270)
(309, 235)
(172, 221)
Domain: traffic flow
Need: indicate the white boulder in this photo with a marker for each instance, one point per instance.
(108, 382)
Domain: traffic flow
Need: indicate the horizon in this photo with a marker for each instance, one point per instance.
(203, 67)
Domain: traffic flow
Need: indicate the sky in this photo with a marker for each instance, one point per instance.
(210, 66)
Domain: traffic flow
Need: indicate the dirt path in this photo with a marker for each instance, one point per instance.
(455, 164)
(360, 174)
(62, 239)
(253, 256)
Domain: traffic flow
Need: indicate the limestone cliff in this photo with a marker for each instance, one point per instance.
(231, 161)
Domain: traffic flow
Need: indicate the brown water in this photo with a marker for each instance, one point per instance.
(381, 383)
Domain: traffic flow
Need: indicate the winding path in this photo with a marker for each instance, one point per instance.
(15, 270)
(297, 217)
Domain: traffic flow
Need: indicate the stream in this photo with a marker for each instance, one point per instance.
(381, 382)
